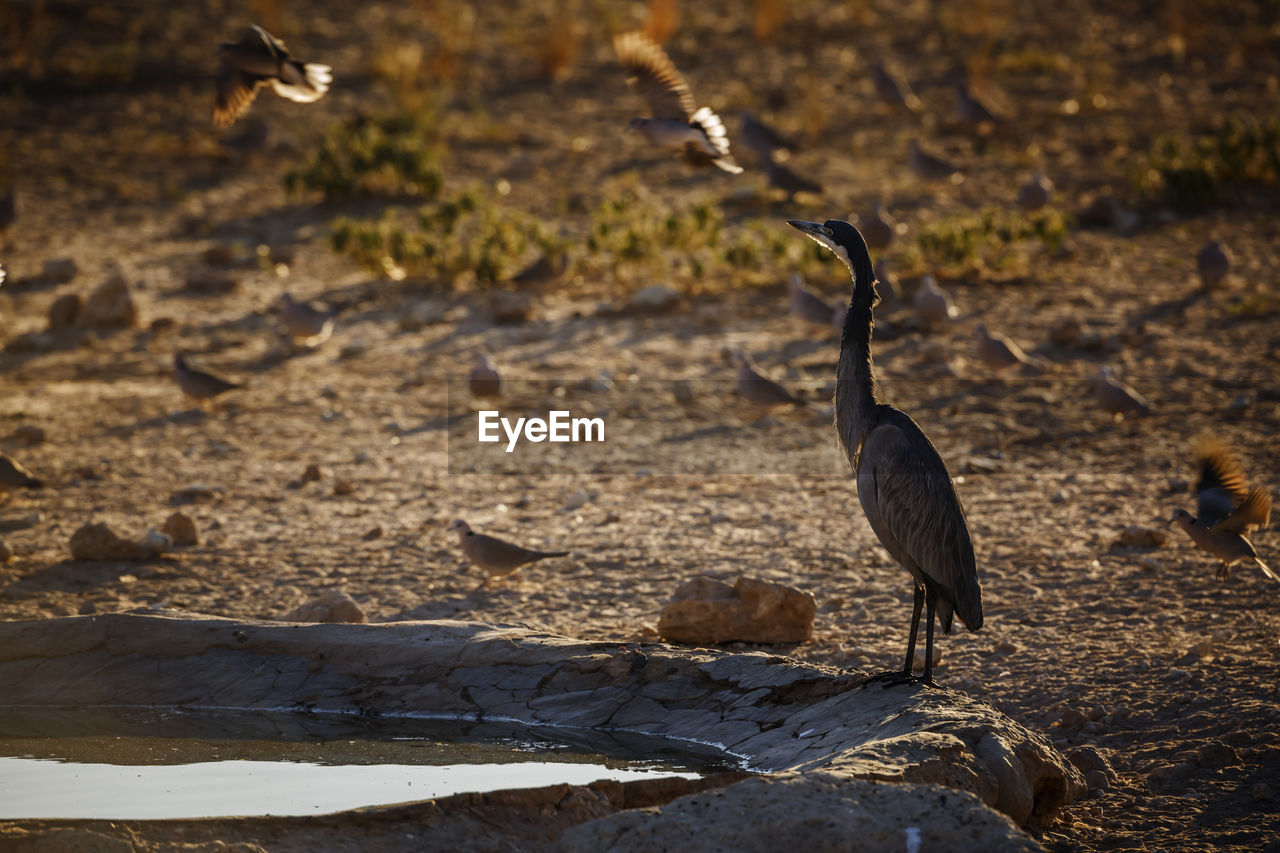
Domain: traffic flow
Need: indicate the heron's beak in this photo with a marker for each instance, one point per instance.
(813, 229)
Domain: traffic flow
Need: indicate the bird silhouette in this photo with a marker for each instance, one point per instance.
(1212, 263)
(1226, 509)
(1035, 193)
(757, 388)
(892, 90)
(932, 303)
(484, 381)
(14, 475)
(258, 59)
(806, 304)
(493, 556)
(197, 384)
(1117, 398)
(929, 166)
(903, 484)
(305, 324)
(677, 123)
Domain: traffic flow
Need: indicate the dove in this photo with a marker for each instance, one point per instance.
(14, 475)
(886, 281)
(197, 384)
(1213, 263)
(1226, 509)
(762, 140)
(969, 108)
(546, 269)
(789, 182)
(677, 123)
(484, 380)
(493, 556)
(878, 228)
(1115, 397)
(759, 389)
(932, 303)
(258, 58)
(305, 324)
(1035, 193)
(892, 90)
(926, 165)
(998, 352)
(806, 304)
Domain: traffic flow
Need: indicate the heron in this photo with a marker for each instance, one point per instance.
(903, 484)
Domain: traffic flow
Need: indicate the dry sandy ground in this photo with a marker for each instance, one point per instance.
(1138, 652)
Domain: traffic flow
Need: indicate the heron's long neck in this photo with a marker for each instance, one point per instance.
(855, 384)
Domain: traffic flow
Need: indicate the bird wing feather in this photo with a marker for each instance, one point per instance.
(656, 76)
(1220, 468)
(236, 91)
(913, 508)
(1253, 511)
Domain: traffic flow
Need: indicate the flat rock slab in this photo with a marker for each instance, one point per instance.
(772, 713)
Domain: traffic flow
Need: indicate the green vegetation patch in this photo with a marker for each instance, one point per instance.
(992, 238)
(394, 154)
(1191, 172)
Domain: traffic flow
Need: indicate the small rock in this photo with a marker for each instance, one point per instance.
(219, 255)
(1004, 647)
(1141, 536)
(1262, 793)
(511, 307)
(577, 500)
(88, 608)
(682, 390)
(111, 305)
(1215, 755)
(1150, 564)
(99, 542)
(181, 528)
(655, 299)
(156, 541)
(1170, 779)
(6, 553)
(372, 533)
(1070, 721)
(195, 493)
(354, 348)
(1067, 332)
(64, 311)
(705, 610)
(917, 662)
(332, 605)
(207, 282)
(58, 271)
(1090, 759)
(29, 435)
(312, 474)
(1097, 780)
(343, 487)
(1060, 496)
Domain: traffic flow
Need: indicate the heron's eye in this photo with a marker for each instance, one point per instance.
(828, 231)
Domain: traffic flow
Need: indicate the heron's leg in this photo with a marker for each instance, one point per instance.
(931, 599)
(915, 629)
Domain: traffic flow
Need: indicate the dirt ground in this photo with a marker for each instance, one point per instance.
(1139, 652)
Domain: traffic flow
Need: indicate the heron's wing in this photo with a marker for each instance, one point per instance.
(914, 510)
(1253, 511)
(656, 76)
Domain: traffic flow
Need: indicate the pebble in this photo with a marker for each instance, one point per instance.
(577, 500)
(195, 493)
(64, 311)
(181, 528)
(58, 270)
(509, 307)
(655, 298)
(1263, 793)
(6, 553)
(312, 473)
(29, 435)
(1215, 755)
(343, 487)
(372, 533)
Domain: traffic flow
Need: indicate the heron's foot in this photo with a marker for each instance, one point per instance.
(897, 677)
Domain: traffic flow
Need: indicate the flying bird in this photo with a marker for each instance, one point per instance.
(257, 59)
(903, 484)
(1226, 509)
(677, 123)
(493, 556)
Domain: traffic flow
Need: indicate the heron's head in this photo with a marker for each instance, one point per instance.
(844, 240)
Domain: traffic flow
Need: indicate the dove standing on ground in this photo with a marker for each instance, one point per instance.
(762, 140)
(1115, 397)
(546, 269)
(878, 228)
(903, 484)
(932, 303)
(14, 475)
(886, 282)
(969, 108)
(928, 166)
(255, 60)
(757, 388)
(892, 89)
(197, 384)
(780, 177)
(484, 380)
(806, 304)
(677, 124)
(1213, 263)
(305, 324)
(1226, 509)
(493, 556)
(996, 351)
(1035, 193)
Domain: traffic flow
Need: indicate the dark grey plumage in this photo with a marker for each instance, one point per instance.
(762, 140)
(258, 59)
(780, 177)
(903, 484)
(197, 384)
